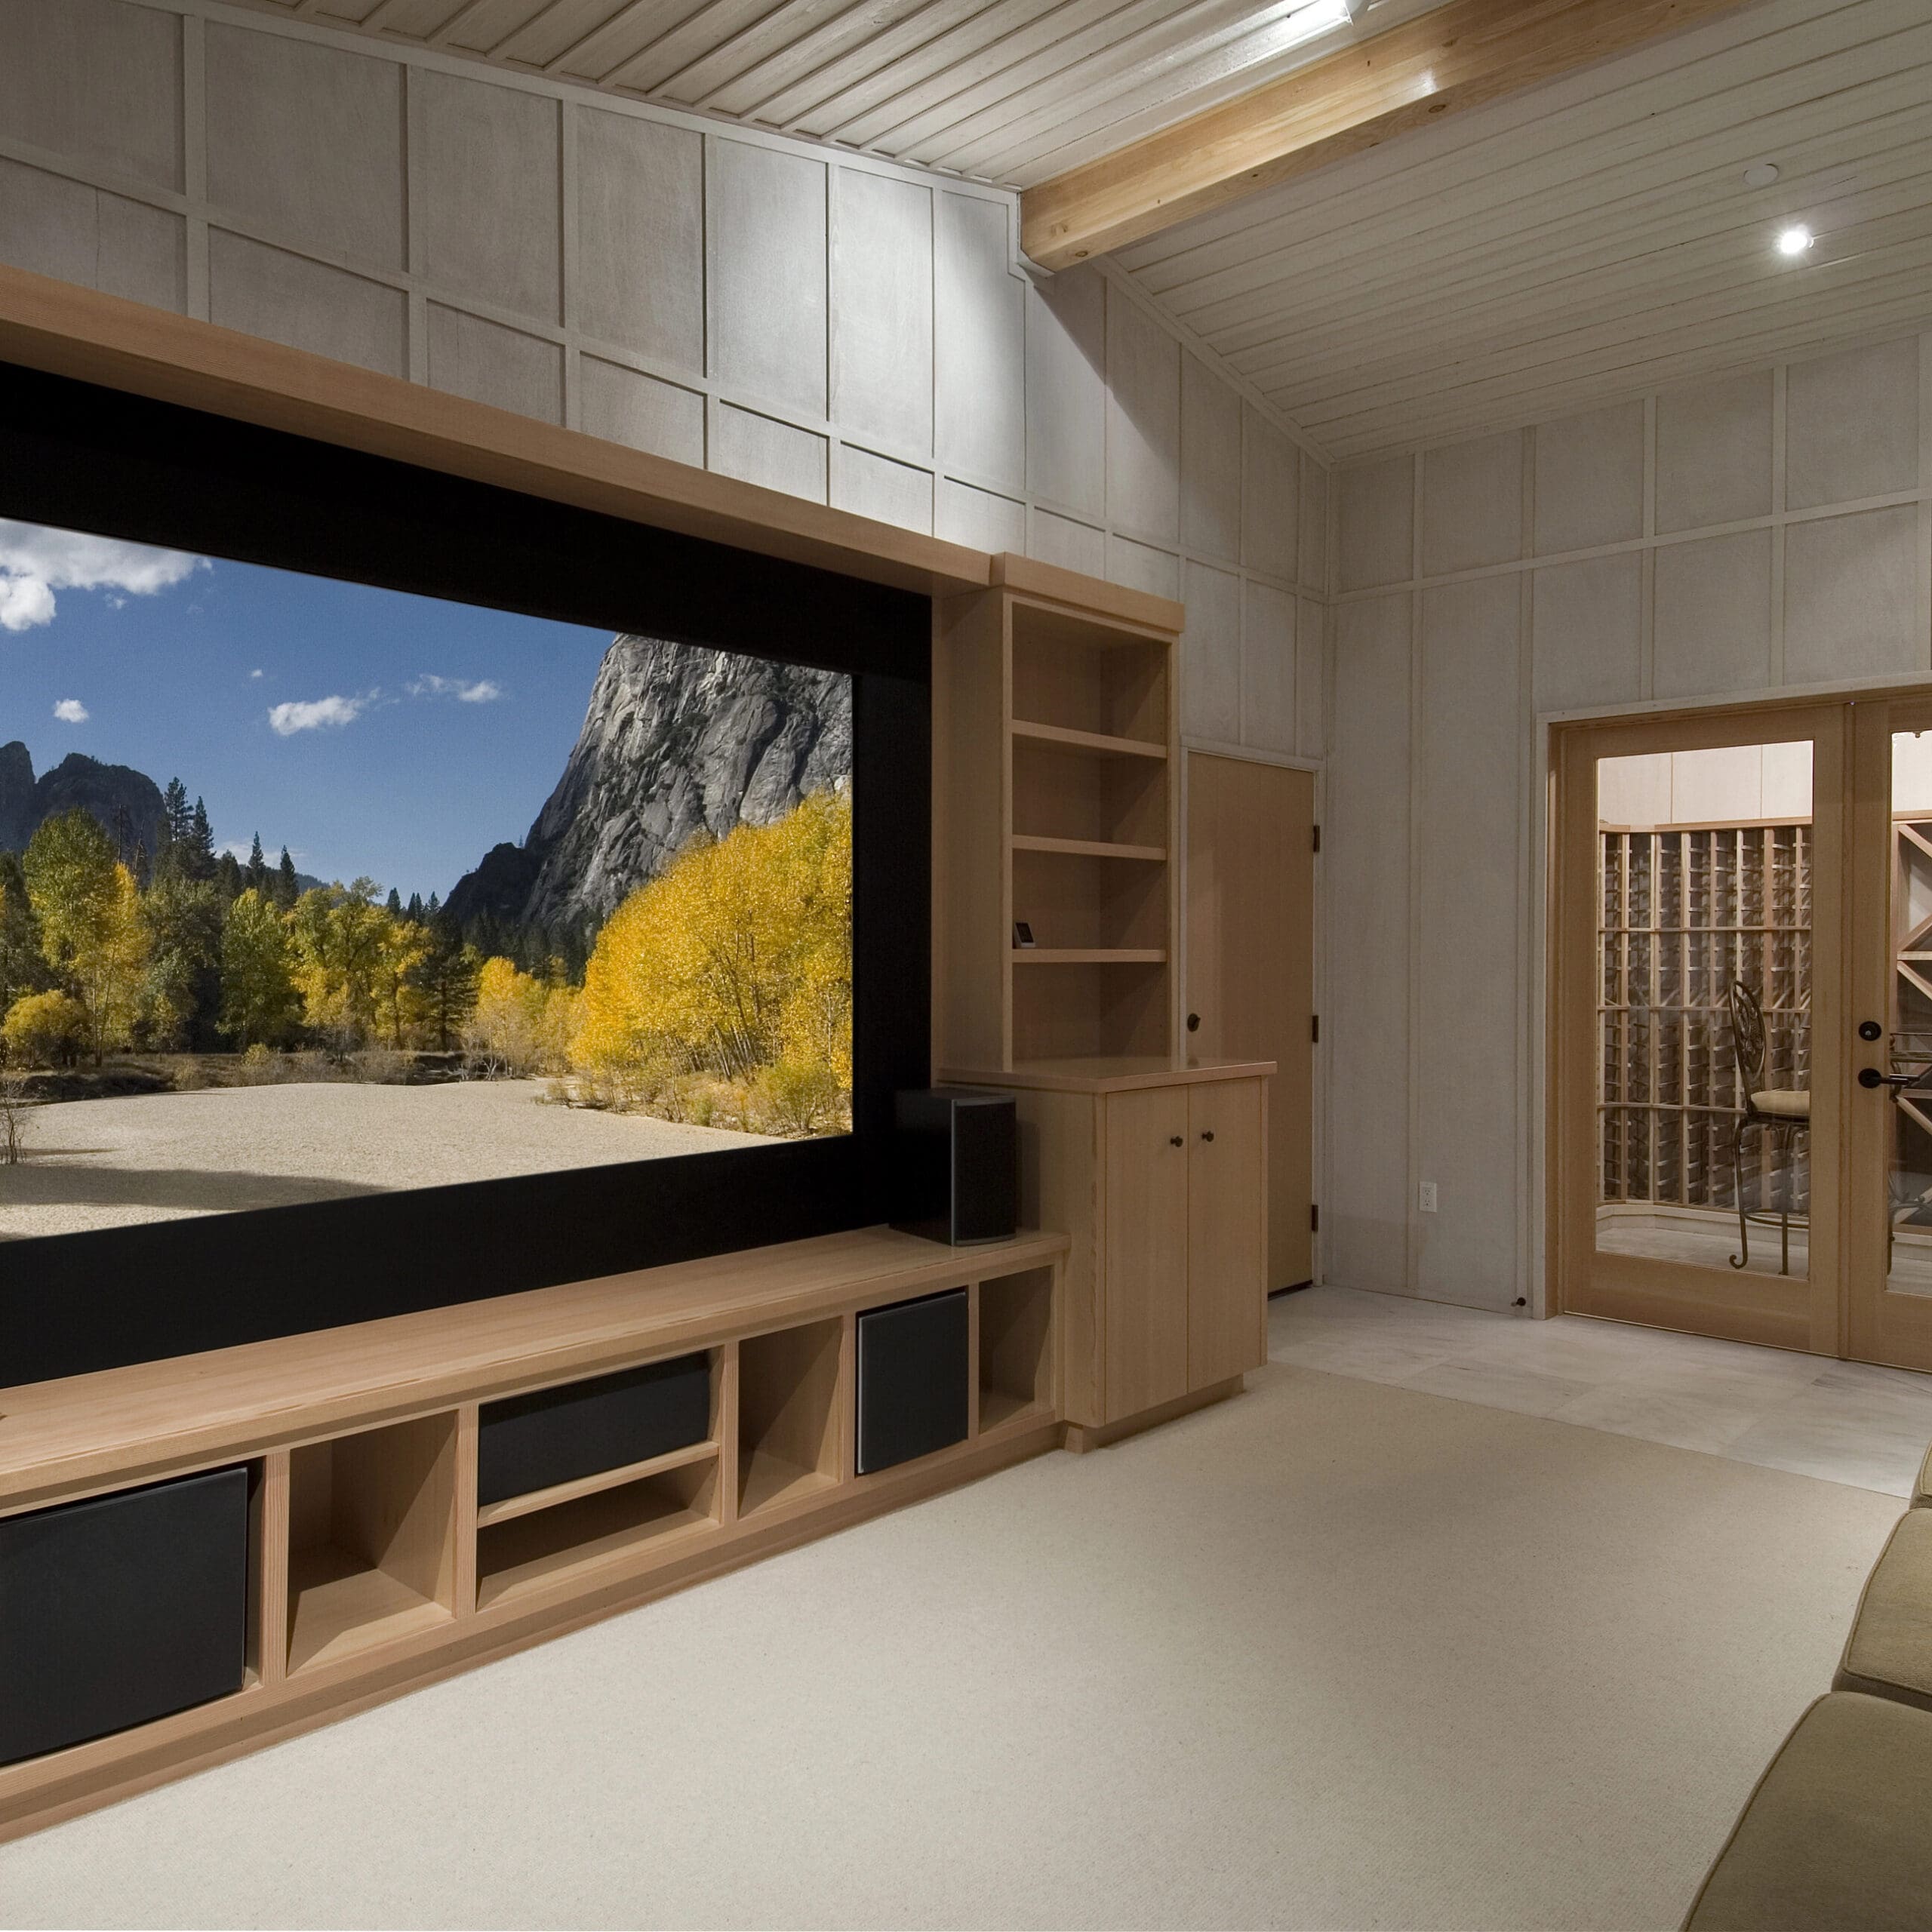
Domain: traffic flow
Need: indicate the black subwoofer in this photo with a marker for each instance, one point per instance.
(559, 1434)
(121, 1609)
(911, 1379)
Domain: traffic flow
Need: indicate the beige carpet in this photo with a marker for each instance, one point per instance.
(1335, 1655)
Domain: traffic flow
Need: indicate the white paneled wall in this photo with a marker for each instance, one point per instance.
(853, 332)
(1770, 532)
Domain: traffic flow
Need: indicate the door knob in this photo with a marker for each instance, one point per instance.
(1870, 1029)
(1870, 1076)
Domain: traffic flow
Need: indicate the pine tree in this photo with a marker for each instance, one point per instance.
(229, 880)
(257, 873)
(413, 912)
(176, 818)
(172, 831)
(447, 977)
(434, 906)
(287, 889)
(200, 851)
(393, 904)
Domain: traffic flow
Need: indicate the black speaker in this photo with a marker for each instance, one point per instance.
(957, 1176)
(558, 1435)
(121, 1609)
(911, 1379)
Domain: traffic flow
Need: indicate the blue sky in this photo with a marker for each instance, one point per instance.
(368, 731)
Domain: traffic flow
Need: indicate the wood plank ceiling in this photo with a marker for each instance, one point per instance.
(1009, 91)
(1586, 242)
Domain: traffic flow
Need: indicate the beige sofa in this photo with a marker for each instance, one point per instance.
(1838, 1835)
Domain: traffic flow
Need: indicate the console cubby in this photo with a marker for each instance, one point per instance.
(543, 1548)
(788, 1442)
(371, 1539)
(1016, 1347)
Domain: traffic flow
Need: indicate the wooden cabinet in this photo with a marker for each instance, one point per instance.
(1146, 1185)
(1227, 1240)
(1056, 741)
(1160, 1181)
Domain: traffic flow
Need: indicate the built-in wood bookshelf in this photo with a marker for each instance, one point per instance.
(1684, 912)
(1057, 787)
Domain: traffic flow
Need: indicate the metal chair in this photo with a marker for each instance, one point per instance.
(1783, 1113)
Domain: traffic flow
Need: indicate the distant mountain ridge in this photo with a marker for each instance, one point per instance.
(676, 740)
(106, 790)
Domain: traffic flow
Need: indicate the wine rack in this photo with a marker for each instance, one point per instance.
(1683, 914)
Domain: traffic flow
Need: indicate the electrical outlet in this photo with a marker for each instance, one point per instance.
(1429, 1197)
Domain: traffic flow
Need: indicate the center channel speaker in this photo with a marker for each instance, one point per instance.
(957, 1164)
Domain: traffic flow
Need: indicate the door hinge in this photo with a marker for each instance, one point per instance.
(1314, 1219)
(1315, 1029)
(1318, 838)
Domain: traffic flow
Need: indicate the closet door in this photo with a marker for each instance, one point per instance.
(1146, 1249)
(1227, 1293)
(1251, 966)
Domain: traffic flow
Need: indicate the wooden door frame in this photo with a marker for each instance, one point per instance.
(1805, 1314)
(1880, 1325)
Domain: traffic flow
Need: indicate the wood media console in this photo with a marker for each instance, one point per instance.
(360, 1562)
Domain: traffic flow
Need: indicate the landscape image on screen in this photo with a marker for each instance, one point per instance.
(310, 890)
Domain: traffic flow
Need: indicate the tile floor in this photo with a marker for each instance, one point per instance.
(1843, 1421)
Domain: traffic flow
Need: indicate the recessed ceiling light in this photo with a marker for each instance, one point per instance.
(1795, 241)
(1761, 174)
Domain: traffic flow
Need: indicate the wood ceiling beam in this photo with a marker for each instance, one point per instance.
(1462, 55)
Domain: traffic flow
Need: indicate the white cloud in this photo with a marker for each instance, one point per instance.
(484, 691)
(71, 711)
(255, 674)
(35, 562)
(311, 714)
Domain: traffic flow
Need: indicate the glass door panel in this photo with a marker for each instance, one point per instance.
(1704, 946)
(1889, 1271)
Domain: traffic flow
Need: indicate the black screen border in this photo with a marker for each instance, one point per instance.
(77, 455)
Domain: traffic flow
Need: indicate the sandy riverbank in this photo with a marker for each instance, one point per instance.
(97, 1163)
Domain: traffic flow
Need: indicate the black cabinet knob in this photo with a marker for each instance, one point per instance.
(1174, 1140)
(1194, 1023)
(1208, 1135)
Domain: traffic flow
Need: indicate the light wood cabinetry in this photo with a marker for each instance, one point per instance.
(371, 1567)
(1056, 805)
(1158, 1179)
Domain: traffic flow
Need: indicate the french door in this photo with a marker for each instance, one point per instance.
(1741, 1025)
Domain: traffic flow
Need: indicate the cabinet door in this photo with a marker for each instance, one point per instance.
(1227, 1230)
(1145, 1261)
